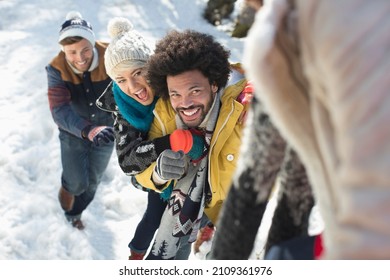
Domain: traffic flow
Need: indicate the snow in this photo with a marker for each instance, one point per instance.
(32, 223)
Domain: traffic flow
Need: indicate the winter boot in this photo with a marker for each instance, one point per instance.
(204, 235)
(66, 199)
(77, 223)
(136, 255)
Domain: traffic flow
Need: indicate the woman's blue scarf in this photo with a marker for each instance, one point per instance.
(135, 113)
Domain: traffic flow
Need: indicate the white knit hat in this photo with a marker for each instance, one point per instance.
(75, 25)
(126, 45)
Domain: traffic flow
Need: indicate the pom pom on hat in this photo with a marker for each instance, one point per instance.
(118, 27)
(73, 15)
(75, 25)
(126, 45)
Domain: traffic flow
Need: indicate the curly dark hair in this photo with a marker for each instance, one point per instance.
(179, 52)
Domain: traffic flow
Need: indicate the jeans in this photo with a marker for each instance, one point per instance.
(83, 165)
(150, 222)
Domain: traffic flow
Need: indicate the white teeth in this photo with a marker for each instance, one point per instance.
(138, 92)
(142, 94)
(189, 113)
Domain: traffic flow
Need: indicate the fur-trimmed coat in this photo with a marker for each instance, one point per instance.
(322, 71)
(265, 158)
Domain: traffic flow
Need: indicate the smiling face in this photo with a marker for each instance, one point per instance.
(133, 82)
(79, 54)
(191, 96)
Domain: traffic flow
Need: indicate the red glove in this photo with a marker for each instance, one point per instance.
(245, 98)
(246, 95)
(318, 247)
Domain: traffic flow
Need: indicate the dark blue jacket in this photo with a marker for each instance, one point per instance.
(72, 97)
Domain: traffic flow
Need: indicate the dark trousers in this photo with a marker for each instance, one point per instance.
(300, 248)
(150, 222)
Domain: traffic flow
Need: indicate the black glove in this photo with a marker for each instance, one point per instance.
(101, 133)
(170, 165)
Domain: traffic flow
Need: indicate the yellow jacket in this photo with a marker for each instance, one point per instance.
(224, 146)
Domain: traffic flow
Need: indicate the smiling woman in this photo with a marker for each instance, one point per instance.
(132, 82)
(125, 61)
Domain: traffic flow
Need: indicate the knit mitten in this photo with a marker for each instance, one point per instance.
(170, 165)
(101, 134)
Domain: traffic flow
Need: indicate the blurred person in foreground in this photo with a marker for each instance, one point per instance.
(76, 78)
(322, 70)
(202, 94)
(267, 166)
